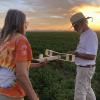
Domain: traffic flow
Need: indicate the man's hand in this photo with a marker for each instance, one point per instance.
(76, 54)
(71, 52)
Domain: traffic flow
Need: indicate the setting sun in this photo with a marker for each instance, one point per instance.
(91, 11)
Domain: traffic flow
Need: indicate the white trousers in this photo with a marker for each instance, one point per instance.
(83, 90)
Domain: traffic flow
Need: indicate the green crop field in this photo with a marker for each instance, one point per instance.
(55, 81)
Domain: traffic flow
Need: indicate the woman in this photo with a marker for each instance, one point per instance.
(15, 59)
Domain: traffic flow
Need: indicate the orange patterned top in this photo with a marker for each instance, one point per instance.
(15, 50)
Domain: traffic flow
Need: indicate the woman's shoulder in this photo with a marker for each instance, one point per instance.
(21, 38)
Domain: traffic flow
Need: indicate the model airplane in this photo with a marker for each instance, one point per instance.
(51, 55)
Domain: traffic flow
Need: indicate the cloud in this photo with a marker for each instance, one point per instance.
(14, 4)
(42, 12)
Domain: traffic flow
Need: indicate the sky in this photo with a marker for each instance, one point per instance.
(52, 14)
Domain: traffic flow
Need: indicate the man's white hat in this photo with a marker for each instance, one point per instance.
(77, 17)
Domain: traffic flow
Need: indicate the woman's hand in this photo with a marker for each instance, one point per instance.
(39, 64)
(44, 62)
(35, 98)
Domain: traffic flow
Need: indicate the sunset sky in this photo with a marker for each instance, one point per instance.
(52, 14)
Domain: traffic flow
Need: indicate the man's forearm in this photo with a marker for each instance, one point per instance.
(84, 56)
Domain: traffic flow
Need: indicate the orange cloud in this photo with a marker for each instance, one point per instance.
(65, 27)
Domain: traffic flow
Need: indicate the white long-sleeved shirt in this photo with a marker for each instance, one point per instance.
(88, 44)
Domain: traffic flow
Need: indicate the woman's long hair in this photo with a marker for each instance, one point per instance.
(14, 23)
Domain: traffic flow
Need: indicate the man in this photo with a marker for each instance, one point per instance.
(85, 56)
